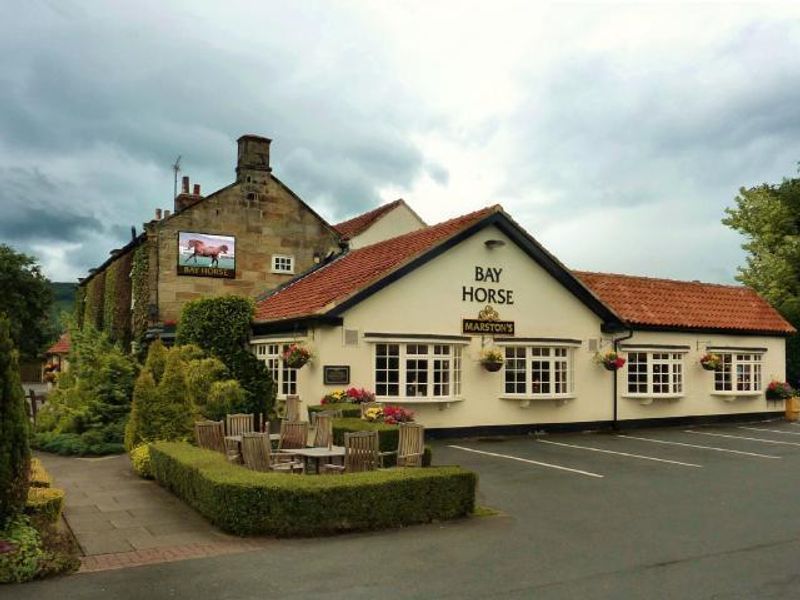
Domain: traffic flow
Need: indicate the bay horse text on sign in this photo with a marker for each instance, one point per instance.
(206, 254)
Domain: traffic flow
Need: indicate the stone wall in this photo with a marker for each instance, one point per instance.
(265, 217)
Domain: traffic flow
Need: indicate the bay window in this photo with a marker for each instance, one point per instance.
(285, 378)
(538, 371)
(739, 372)
(417, 370)
(655, 373)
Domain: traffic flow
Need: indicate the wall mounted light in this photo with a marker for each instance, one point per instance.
(492, 244)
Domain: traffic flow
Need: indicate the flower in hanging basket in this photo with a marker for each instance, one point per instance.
(611, 361)
(779, 390)
(710, 361)
(295, 356)
(492, 359)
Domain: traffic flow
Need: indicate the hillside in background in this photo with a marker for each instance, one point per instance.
(64, 294)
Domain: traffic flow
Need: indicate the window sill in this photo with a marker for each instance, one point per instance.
(525, 401)
(442, 403)
(647, 399)
(733, 396)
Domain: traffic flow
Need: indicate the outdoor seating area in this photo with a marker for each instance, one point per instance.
(302, 447)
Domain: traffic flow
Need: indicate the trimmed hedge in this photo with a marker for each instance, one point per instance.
(45, 503)
(388, 436)
(39, 476)
(248, 502)
(349, 409)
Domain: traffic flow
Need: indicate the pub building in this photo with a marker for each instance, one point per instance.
(408, 310)
(410, 317)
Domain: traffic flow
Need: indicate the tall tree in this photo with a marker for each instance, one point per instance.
(26, 298)
(768, 216)
(15, 453)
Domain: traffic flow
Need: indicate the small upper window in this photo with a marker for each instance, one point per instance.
(282, 263)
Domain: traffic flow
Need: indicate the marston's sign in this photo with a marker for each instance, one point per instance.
(473, 326)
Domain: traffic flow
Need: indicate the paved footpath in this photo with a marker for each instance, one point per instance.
(121, 520)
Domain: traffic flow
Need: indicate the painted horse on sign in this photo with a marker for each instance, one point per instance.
(200, 248)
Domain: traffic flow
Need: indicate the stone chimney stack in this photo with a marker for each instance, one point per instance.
(186, 199)
(253, 159)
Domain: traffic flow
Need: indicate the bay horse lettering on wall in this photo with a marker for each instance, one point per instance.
(206, 255)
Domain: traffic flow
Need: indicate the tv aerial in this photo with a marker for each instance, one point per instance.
(176, 168)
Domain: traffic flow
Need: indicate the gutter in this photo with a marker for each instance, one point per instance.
(627, 336)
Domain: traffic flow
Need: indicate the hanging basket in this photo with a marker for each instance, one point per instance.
(296, 356)
(296, 363)
(610, 366)
(492, 366)
(708, 366)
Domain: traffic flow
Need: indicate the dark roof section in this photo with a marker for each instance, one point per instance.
(667, 304)
(354, 276)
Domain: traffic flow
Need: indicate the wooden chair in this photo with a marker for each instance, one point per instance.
(233, 451)
(294, 434)
(360, 453)
(292, 408)
(410, 445)
(323, 434)
(367, 405)
(239, 423)
(257, 455)
(210, 435)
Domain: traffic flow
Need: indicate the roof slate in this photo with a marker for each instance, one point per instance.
(62, 346)
(685, 304)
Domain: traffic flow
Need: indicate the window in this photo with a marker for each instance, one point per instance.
(282, 263)
(655, 373)
(285, 378)
(417, 370)
(738, 373)
(538, 371)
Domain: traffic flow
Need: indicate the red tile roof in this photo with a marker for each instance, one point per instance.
(62, 346)
(322, 289)
(685, 304)
(352, 227)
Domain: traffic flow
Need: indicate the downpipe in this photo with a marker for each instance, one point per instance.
(615, 422)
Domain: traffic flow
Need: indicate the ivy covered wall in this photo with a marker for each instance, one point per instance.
(140, 290)
(94, 303)
(117, 301)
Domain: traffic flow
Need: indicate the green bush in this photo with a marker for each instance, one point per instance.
(224, 397)
(22, 563)
(73, 444)
(248, 502)
(222, 327)
(156, 360)
(388, 437)
(140, 461)
(349, 410)
(45, 504)
(15, 451)
(200, 374)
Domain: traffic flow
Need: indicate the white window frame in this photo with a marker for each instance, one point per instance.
(744, 371)
(661, 368)
(283, 258)
(551, 360)
(441, 360)
(271, 354)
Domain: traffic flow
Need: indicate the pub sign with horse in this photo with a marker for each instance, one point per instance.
(206, 255)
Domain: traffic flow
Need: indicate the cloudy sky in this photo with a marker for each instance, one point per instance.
(616, 134)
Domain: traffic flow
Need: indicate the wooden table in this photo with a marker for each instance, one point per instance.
(316, 453)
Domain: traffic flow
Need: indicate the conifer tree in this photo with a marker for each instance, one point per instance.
(15, 453)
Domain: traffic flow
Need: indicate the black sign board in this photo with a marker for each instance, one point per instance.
(336, 374)
(483, 327)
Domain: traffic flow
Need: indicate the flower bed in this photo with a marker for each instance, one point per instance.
(248, 502)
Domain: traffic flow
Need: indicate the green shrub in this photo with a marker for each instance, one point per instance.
(140, 461)
(222, 327)
(73, 444)
(39, 475)
(224, 397)
(21, 564)
(248, 502)
(200, 374)
(15, 452)
(349, 410)
(45, 504)
(388, 437)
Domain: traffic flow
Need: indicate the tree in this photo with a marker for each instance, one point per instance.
(27, 297)
(15, 453)
(769, 217)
